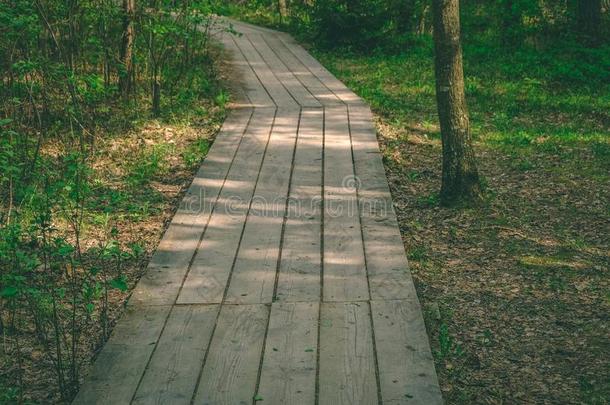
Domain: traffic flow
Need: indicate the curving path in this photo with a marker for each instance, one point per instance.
(282, 278)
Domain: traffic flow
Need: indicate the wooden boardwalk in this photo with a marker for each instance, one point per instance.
(282, 278)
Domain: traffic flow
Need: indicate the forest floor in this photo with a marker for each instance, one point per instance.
(516, 292)
(140, 171)
(135, 211)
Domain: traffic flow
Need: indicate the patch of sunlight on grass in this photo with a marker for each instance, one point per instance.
(550, 262)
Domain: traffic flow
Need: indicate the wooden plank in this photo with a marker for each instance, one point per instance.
(299, 274)
(242, 26)
(406, 367)
(121, 363)
(283, 74)
(389, 275)
(288, 373)
(347, 358)
(330, 81)
(248, 81)
(238, 202)
(274, 87)
(344, 264)
(254, 273)
(168, 265)
(231, 369)
(171, 376)
(302, 73)
(211, 267)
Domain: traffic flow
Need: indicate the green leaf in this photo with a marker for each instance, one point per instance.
(119, 283)
(5, 121)
(136, 250)
(8, 292)
(258, 397)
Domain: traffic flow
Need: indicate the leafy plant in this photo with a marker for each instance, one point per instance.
(448, 348)
(58, 106)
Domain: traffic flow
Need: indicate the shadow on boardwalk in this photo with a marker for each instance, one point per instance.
(283, 277)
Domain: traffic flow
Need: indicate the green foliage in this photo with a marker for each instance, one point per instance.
(195, 153)
(149, 164)
(448, 348)
(362, 25)
(520, 101)
(60, 68)
(9, 395)
(344, 22)
(263, 12)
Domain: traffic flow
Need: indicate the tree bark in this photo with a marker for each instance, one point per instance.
(126, 76)
(283, 10)
(589, 18)
(460, 179)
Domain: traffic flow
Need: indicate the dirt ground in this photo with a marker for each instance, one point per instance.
(515, 292)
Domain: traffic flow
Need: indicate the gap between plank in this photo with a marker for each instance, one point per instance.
(191, 261)
(366, 267)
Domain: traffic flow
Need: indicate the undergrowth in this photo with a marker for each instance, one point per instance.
(84, 166)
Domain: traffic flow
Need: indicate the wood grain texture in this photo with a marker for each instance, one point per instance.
(347, 358)
(288, 373)
(161, 282)
(282, 73)
(172, 374)
(344, 265)
(254, 274)
(388, 272)
(274, 87)
(302, 73)
(299, 274)
(119, 366)
(282, 278)
(255, 93)
(209, 273)
(231, 369)
(406, 366)
(331, 82)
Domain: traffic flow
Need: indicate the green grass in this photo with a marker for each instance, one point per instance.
(195, 152)
(528, 100)
(541, 125)
(250, 11)
(521, 100)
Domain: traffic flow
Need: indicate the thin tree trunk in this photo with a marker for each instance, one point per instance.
(283, 10)
(156, 92)
(125, 78)
(460, 180)
(421, 30)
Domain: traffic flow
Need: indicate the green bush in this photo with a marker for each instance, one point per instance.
(59, 101)
(356, 23)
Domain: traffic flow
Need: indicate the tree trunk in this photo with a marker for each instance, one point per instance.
(156, 92)
(283, 10)
(460, 180)
(589, 18)
(156, 99)
(126, 76)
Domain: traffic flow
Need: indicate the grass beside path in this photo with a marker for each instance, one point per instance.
(137, 173)
(516, 293)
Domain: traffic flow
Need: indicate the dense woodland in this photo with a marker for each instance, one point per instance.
(107, 105)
